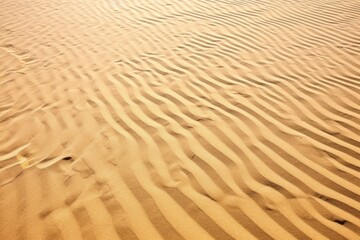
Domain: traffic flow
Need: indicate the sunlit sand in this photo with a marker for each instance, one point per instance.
(193, 119)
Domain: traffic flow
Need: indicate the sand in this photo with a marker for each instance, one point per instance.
(193, 119)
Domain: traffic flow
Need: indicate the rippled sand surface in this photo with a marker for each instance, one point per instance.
(192, 119)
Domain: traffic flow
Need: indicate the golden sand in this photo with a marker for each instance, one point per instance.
(191, 119)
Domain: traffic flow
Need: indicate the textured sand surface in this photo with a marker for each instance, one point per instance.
(193, 119)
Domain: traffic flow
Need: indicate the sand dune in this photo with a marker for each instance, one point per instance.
(231, 119)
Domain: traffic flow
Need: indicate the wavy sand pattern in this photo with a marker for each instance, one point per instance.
(194, 119)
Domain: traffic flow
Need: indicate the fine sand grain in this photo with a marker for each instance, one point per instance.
(188, 119)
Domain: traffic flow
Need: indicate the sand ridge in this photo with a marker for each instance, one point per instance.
(179, 119)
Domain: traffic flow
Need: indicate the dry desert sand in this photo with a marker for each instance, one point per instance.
(193, 119)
